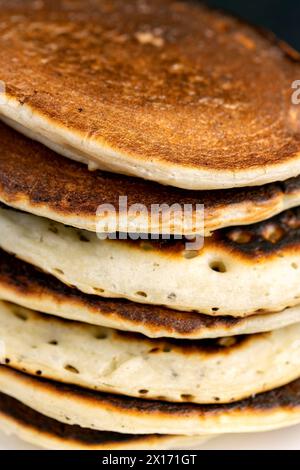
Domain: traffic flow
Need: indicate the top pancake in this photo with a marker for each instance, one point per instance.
(164, 90)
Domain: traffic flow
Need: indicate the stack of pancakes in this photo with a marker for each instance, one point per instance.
(121, 343)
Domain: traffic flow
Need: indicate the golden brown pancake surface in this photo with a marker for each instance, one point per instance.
(165, 90)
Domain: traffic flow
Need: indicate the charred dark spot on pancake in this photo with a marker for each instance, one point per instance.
(53, 229)
(289, 186)
(272, 236)
(29, 418)
(19, 313)
(27, 281)
(141, 294)
(187, 397)
(83, 238)
(72, 369)
(101, 336)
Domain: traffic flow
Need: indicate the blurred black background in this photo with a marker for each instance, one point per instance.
(281, 16)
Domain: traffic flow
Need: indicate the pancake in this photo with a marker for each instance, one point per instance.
(37, 180)
(220, 370)
(238, 272)
(164, 90)
(25, 285)
(25, 423)
(71, 405)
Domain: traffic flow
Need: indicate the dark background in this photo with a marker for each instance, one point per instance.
(281, 16)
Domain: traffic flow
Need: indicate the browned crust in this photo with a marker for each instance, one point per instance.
(32, 174)
(279, 234)
(31, 419)
(267, 239)
(27, 282)
(209, 99)
(284, 398)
